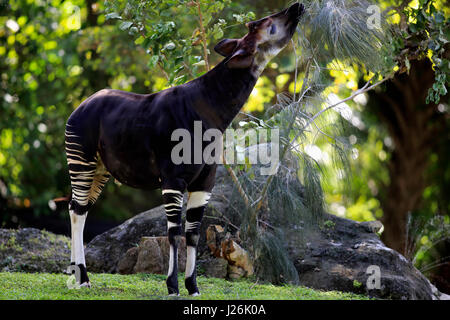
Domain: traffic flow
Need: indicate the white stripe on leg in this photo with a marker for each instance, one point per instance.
(197, 199)
(72, 247)
(77, 223)
(171, 260)
(190, 261)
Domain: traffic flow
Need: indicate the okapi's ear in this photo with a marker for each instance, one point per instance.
(240, 60)
(226, 47)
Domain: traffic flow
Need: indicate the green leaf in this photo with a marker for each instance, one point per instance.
(153, 61)
(125, 25)
(139, 40)
(133, 30)
(112, 15)
(200, 63)
(180, 80)
(169, 46)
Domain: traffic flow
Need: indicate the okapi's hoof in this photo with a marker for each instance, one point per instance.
(85, 285)
(191, 286)
(173, 291)
(174, 294)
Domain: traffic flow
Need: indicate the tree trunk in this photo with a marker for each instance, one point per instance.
(402, 108)
(92, 13)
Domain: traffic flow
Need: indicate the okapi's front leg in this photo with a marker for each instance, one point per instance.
(173, 203)
(197, 202)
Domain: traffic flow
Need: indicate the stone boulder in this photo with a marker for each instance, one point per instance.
(105, 251)
(211, 266)
(33, 250)
(151, 256)
(348, 256)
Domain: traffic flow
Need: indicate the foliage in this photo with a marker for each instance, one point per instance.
(418, 27)
(343, 32)
(426, 236)
(40, 71)
(51, 59)
(179, 50)
(427, 34)
(40, 286)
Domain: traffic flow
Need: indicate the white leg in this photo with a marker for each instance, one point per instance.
(78, 222)
(198, 199)
(72, 249)
(191, 253)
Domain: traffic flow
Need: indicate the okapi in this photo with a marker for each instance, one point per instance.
(128, 136)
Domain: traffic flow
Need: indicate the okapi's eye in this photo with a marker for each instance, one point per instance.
(273, 29)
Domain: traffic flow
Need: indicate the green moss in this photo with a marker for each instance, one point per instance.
(328, 224)
(357, 284)
(11, 245)
(33, 252)
(150, 286)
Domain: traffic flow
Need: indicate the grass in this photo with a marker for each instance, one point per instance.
(47, 286)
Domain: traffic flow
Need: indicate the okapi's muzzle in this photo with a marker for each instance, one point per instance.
(287, 18)
(266, 37)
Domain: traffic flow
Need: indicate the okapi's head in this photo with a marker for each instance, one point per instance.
(265, 39)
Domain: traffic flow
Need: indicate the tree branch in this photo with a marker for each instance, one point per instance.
(203, 34)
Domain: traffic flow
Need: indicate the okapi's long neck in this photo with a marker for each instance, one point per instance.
(224, 91)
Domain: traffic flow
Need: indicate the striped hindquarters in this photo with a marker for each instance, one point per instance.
(87, 173)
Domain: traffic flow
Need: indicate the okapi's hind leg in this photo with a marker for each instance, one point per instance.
(88, 177)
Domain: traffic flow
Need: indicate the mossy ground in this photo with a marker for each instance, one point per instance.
(33, 250)
(47, 286)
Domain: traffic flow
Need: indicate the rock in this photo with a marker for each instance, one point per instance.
(33, 250)
(105, 251)
(235, 272)
(344, 256)
(214, 267)
(373, 226)
(237, 256)
(151, 256)
(437, 295)
(154, 255)
(214, 237)
(222, 246)
(128, 261)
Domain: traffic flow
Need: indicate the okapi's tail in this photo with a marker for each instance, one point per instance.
(63, 199)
